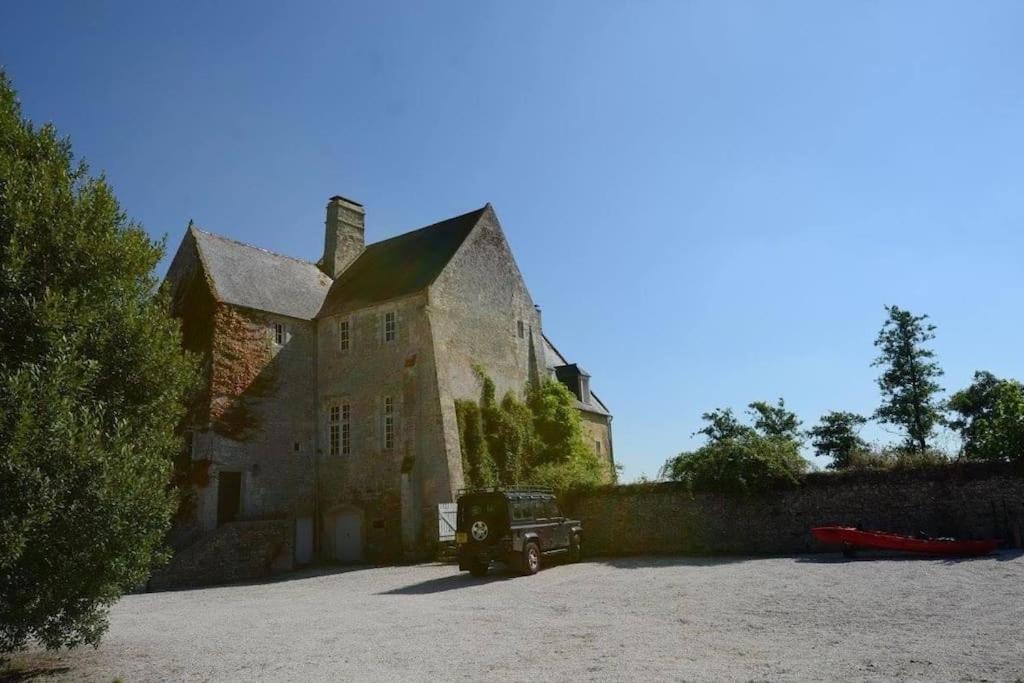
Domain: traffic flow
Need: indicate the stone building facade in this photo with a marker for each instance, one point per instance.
(331, 386)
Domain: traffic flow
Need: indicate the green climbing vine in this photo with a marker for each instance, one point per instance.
(536, 441)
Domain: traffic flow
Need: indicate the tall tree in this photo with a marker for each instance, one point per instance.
(836, 437)
(93, 383)
(990, 418)
(721, 424)
(908, 380)
(775, 420)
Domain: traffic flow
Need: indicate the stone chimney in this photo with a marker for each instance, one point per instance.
(344, 235)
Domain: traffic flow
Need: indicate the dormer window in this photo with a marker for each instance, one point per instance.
(584, 388)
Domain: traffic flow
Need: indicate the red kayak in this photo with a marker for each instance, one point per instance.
(852, 539)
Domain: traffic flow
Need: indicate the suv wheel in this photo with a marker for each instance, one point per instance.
(576, 548)
(531, 558)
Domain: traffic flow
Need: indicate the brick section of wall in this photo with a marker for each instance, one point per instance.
(233, 552)
(968, 501)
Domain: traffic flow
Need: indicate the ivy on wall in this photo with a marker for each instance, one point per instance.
(538, 441)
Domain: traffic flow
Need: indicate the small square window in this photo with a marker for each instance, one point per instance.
(279, 333)
(343, 336)
(390, 327)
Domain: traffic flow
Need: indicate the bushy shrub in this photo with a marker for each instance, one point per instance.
(93, 384)
(748, 463)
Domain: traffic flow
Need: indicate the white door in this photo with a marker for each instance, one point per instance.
(348, 537)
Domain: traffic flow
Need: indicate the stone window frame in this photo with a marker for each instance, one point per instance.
(344, 334)
(346, 429)
(334, 429)
(390, 326)
(388, 414)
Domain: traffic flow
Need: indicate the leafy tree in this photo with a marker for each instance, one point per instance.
(990, 418)
(836, 437)
(93, 384)
(775, 420)
(908, 381)
(562, 458)
(741, 459)
(748, 463)
(721, 424)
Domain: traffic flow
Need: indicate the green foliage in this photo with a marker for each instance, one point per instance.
(477, 466)
(93, 385)
(836, 437)
(775, 420)
(721, 425)
(908, 381)
(748, 463)
(539, 441)
(738, 458)
(990, 418)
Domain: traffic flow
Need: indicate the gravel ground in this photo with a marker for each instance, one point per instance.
(655, 618)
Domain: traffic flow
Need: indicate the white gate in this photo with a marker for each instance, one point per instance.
(446, 521)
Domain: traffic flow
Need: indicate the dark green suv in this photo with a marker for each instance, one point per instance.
(514, 526)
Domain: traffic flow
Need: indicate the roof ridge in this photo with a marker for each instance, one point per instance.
(428, 227)
(253, 246)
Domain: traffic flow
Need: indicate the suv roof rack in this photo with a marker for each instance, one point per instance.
(506, 489)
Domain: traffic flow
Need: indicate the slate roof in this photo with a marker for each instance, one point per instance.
(553, 358)
(244, 275)
(401, 265)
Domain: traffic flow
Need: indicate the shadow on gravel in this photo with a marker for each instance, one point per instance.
(647, 561)
(865, 556)
(33, 674)
(449, 583)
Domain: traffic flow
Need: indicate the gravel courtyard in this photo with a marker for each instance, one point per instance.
(654, 618)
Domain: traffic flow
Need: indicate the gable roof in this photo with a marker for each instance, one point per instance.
(248, 276)
(401, 265)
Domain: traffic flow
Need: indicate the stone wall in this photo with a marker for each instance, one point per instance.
(262, 409)
(233, 552)
(475, 309)
(967, 501)
(387, 485)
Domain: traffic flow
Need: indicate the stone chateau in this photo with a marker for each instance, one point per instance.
(330, 401)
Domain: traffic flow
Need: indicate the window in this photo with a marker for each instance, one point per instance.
(297, 447)
(389, 423)
(390, 327)
(279, 333)
(597, 447)
(343, 338)
(334, 431)
(346, 429)
(521, 329)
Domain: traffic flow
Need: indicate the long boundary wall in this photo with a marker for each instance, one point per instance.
(968, 501)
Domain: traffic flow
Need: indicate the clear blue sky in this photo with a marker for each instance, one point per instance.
(711, 201)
